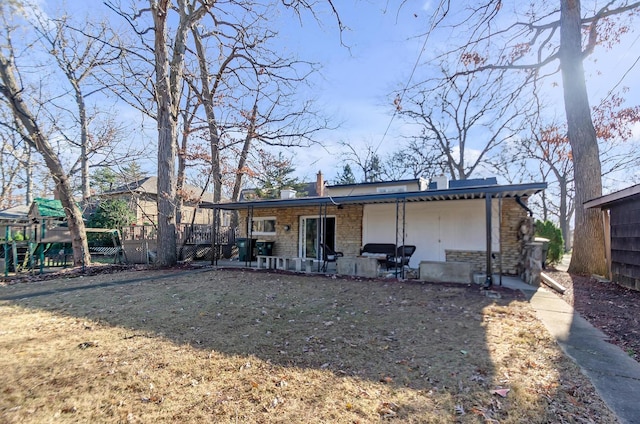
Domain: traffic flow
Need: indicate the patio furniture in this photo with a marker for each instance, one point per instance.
(379, 251)
(401, 257)
(329, 255)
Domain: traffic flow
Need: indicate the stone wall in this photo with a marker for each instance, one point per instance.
(511, 244)
(348, 227)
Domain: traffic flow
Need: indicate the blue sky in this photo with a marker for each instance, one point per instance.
(381, 45)
(361, 66)
(384, 44)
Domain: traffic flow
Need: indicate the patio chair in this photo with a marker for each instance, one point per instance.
(401, 258)
(329, 255)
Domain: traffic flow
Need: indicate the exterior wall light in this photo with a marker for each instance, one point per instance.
(287, 227)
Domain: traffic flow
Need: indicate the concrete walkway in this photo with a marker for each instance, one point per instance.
(613, 373)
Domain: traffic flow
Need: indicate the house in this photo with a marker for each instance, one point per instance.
(621, 215)
(471, 221)
(142, 196)
(15, 215)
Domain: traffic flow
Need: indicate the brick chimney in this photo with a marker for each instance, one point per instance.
(320, 184)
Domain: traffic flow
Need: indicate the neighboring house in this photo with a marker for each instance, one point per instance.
(142, 196)
(452, 221)
(15, 215)
(621, 215)
(306, 190)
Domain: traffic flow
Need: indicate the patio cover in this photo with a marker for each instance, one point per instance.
(487, 192)
(460, 193)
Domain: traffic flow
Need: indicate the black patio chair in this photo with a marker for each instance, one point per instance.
(401, 258)
(329, 255)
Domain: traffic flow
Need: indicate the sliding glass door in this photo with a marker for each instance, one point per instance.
(313, 232)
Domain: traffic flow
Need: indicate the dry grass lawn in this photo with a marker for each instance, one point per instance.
(234, 346)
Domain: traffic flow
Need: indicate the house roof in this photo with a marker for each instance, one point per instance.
(416, 181)
(459, 193)
(605, 202)
(149, 185)
(15, 214)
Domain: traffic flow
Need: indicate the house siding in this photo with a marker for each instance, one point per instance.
(145, 207)
(625, 242)
(510, 244)
(433, 227)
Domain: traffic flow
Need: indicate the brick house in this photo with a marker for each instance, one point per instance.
(445, 220)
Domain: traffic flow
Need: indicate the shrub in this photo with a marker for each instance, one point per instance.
(114, 213)
(549, 230)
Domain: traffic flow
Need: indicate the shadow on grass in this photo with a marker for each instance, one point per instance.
(425, 337)
(417, 335)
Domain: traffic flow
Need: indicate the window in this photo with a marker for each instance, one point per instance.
(265, 225)
(391, 189)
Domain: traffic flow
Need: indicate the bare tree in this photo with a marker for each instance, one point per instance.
(549, 145)
(415, 159)
(164, 43)
(366, 161)
(14, 94)
(464, 120)
(14, 164)
(247, 93)
(550, 34)
(80, 53)
(550, 148)
(169, 51)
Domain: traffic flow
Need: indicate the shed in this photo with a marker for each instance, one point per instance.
(621, 216)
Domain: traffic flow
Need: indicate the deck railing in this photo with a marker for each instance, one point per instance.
(186, 234)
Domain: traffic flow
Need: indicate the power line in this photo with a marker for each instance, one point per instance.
(633, 65)
(413, 71)
(623, 76)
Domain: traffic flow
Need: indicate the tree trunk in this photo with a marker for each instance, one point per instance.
(242, 160)
(588, 246)
(207, 97)
(182, 167)
(167, 240)
(563, 214)
(13, 94)
(29, 172)
(84, 143)
(169, 78)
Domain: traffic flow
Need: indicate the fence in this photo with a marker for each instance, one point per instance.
(194, 240)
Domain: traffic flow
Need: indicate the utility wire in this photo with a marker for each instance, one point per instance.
(413, 71)
(633, 65)
(623, 76)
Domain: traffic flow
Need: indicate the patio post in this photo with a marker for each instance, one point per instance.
(489, 281)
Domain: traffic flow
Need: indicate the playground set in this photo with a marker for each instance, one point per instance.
(36, 238)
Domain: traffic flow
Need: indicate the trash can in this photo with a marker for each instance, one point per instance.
(264, 248)
(245, 249)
